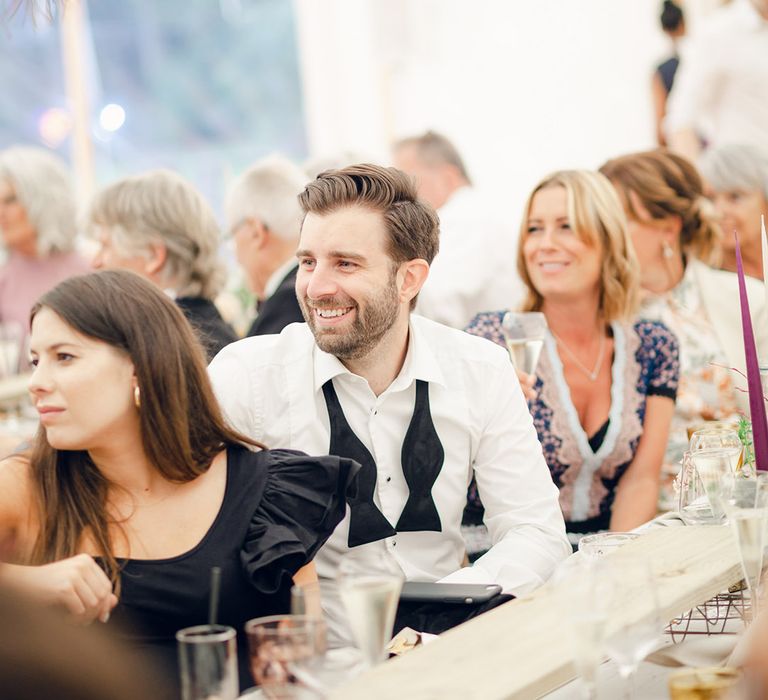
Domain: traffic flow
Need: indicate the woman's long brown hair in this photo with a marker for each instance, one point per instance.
(182, 427)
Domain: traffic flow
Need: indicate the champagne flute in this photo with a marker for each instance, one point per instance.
(745, 501)
(524, 335)
(629, 644)
(370, 598)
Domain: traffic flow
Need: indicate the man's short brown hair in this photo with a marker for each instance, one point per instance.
(412, 225)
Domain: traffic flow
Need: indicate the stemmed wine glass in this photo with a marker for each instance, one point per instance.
(724, 439)
(587, 590)
(524, 334)
(370, 598)
(632, 641)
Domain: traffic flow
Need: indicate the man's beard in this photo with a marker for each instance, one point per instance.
(369, 327)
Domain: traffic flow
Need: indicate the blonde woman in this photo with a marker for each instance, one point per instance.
(158, 225)
(605, 384)
(675, 238)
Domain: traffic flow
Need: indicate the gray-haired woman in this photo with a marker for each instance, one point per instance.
(737, 183)
(37, 225)
(158, 225)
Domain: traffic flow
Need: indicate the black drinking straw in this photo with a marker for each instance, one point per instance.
(213, 602)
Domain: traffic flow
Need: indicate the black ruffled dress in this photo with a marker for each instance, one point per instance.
(279, 508)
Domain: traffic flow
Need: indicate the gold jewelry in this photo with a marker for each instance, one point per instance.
(137, 397)
(595, 371)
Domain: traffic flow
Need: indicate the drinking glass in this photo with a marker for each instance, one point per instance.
(280, 647)
(11, 336)
(370, 598)
(711, 465)
(604, 543)
(208, 662)
(703, 683)
(694, 503)
(745, 501)
(632, 641)
(524, 335)
(723, 439)
(586, 589)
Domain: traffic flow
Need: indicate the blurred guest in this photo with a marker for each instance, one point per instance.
(673, 25)
(264, 217)
(37, 224)
(721, 89)
(158, 225)
(135, 487)
(471, 272)
(737, 181)
(674, 235)
(42, 655)
(606, 382)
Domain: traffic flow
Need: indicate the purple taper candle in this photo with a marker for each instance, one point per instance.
(756, 402)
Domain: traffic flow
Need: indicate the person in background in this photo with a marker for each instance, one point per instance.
(264, 218)
(135, 487)
(721, 89)
(673, 25)
(736, 179)
(158, 225)
(38, 229)
(471, 272)
(675, 237)
(421, 406)
(605, 384)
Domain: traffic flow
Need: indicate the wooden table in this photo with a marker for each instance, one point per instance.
(522, 650)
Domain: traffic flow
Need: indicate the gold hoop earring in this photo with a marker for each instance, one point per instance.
(137, 397)
(666, 250)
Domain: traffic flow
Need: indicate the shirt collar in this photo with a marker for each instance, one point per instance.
(278, 276)
(420, 362)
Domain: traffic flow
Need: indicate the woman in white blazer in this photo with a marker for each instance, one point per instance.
(676, 239)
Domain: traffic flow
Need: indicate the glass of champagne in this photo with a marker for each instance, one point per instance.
(745, 501)
(370, 598)
(524, 334)
(703, 683)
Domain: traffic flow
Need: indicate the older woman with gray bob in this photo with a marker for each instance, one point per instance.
(37, 225)
(158, 225)
(737, 184)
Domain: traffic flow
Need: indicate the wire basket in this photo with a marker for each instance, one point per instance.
(723, 614)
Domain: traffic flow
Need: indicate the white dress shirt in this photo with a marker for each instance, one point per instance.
(471, 272)
(721, 88)
(270, 388)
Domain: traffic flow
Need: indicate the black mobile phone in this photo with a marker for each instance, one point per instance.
(464, 593)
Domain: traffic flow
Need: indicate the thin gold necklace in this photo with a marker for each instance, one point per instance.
(595, 371)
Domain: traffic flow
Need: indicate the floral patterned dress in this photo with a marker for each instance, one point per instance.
(706, 390)
(587, 469)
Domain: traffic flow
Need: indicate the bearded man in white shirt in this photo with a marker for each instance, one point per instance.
(421, 406)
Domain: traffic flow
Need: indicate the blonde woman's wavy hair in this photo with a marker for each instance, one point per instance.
(162, 207)
(597, 218)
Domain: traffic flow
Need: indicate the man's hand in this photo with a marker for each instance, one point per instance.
(526, 384)
(78, 584)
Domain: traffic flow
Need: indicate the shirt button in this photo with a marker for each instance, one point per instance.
(394, 543)
(389, 478)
